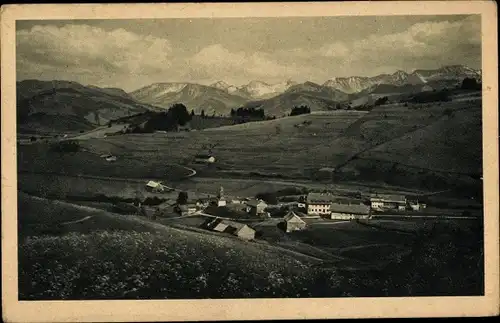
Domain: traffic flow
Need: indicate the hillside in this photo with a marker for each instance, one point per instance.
(195, 96)
(58, 106)
(315, 96)
(298, 147)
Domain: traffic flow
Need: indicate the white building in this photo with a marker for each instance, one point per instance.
(319, 203)
(387, 201)
(155, 186)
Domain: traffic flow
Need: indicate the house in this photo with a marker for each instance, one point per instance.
(204, 159)
(240, 230)
(186, 209)
(202, 203)
(319, 203)
(155, 187)
(111, 158)
(415, 205)
(387, 201)
(292, 222)
(256, 207)
(340, 211)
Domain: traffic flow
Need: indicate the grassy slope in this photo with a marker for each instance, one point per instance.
(339, 139)
(135, 258)
(38, 158)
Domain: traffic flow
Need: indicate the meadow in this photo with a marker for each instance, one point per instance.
(110, 256)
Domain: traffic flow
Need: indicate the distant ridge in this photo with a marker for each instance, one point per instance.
(354, 84)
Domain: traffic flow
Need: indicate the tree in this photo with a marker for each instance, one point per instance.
(32, 138)
(203, 113)
(192, 113)
(233, 113)
(182, 198)
(303, 109)
(178, 114)
(470, 83)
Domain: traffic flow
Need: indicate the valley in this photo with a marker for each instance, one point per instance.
(102, 202)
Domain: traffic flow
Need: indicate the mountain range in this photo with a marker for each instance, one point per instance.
(196, 97)
(354, 84)
(255, 89)
(65, 105)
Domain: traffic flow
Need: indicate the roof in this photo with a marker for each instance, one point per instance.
(256, 202)
(153, 184)
(388, 198)
(321, 198)
(222, 225)
(293, 217)
(350, 208)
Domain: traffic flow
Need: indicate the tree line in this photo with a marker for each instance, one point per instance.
(248, 113)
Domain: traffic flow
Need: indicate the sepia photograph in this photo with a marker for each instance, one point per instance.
(205, 157)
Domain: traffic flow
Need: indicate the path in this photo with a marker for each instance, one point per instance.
(78, 221)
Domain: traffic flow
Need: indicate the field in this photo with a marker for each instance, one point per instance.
(352, 143)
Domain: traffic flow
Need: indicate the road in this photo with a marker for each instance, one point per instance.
(304, 183)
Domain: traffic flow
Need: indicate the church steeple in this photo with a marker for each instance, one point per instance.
(221, 201)
(221, 193)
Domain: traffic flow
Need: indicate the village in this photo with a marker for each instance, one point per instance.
(236, 215)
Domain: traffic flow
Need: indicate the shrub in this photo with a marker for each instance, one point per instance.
(68, 146)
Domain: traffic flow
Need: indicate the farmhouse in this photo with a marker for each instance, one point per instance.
(349, 211)
(155, 187)
(186, 209)
(256, 207)
(386, 201)
(292, 222)
(204, 159)
(240, 230)
(415, 205)
(319, 204)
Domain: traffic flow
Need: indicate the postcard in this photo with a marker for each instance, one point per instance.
(248, 161)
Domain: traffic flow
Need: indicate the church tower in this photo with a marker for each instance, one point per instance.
(221, 201)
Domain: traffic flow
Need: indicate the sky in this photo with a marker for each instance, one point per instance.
(130, 54)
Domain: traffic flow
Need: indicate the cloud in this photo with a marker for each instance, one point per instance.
(216, 60)
(85, 49)
(444, 42)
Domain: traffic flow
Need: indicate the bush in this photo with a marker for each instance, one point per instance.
(381, 101)
(69, 146)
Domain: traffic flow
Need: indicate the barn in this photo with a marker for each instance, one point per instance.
(292, 222)
(240, 230)
(155, 187)
(349, 211)
(388, 201)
